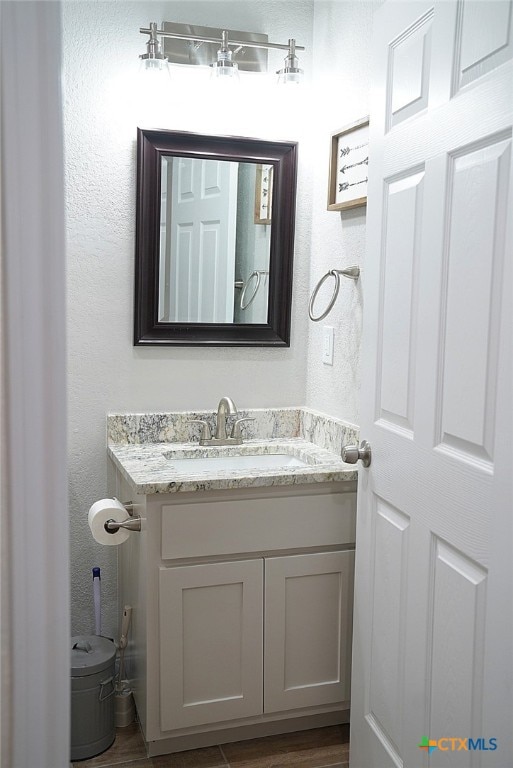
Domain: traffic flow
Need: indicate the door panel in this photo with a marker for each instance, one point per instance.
(435, 505)
(390, 545)
(398, 296)
(458, 615)
(410, 57)
(476, 208)
(485, 39)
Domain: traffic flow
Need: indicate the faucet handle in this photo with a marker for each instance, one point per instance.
(206, 434)
(236, 432)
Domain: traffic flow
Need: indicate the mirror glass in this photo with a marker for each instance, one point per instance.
(214, 239)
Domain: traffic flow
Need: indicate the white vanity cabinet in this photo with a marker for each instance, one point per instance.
(242, 611)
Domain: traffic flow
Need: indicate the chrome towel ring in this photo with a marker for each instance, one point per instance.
(258, 275)
(351, 272)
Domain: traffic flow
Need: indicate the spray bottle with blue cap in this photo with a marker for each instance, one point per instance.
(97, 580)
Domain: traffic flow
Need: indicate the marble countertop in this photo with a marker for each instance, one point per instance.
(149, 468)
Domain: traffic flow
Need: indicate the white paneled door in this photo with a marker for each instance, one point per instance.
(201, 254)
(433, 655)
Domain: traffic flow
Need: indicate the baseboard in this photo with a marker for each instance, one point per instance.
(242, 733)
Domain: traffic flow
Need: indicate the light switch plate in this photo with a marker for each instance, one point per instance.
(327, 344)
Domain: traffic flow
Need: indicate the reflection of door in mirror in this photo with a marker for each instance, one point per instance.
(197, 240)
(213, 257)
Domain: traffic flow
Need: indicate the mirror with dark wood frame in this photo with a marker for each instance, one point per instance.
(214, 240)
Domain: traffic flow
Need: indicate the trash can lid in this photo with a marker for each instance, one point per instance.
(90, 654)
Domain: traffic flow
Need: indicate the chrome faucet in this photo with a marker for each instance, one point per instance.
(225, 408)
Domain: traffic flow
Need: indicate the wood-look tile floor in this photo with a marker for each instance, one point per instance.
(317, 748)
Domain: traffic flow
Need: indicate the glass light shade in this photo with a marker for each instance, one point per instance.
(154, 83)
(224, 70)
(155, 68)
(290, 76)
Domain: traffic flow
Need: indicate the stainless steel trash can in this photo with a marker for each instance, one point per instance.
(92, 695)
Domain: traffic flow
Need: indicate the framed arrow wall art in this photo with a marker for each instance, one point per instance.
(263, 194)
(349, 165)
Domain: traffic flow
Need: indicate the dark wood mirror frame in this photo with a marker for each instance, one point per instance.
(151, 146)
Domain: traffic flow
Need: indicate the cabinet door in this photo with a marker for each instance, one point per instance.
(308, 625)
(211, 628)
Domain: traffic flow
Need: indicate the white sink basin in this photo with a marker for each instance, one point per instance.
(191, 465)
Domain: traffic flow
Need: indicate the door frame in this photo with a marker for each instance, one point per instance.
(34, 507)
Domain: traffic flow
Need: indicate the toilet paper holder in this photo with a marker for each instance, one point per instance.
(131, 524)
(111, 526)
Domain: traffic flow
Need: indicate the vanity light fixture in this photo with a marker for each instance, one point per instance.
(224, 65)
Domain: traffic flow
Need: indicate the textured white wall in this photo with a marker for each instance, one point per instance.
(342, 35)
(106, 373)
(103, 106)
